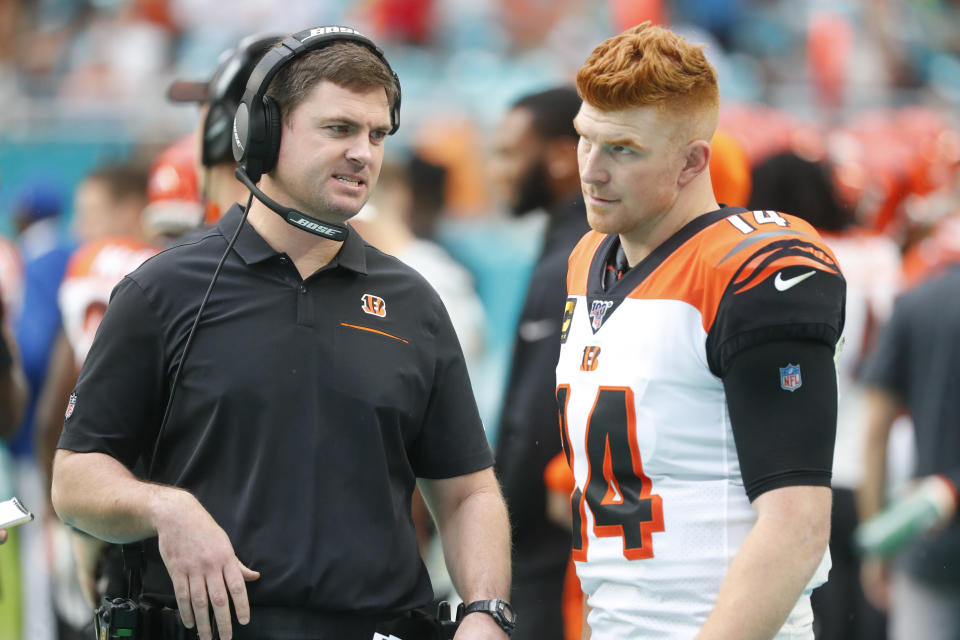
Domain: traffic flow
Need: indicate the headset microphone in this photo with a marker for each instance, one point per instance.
(292, 216)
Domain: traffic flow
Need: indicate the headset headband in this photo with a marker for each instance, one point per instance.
(303, 42)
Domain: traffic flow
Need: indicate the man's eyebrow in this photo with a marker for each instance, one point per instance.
(616, 142)
(346, 120)
(623, 142)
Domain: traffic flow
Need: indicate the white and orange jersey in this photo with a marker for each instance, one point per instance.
(92, 272)
(659, 506)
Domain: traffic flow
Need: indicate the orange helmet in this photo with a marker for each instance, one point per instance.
(173, 197)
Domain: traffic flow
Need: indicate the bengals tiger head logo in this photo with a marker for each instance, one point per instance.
(374, 305)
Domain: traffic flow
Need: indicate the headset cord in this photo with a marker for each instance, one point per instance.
(189, 341)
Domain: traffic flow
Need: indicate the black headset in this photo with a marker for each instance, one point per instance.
(224, 91)
(256, 126)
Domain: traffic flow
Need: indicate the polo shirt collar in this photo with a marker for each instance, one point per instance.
(252, 248)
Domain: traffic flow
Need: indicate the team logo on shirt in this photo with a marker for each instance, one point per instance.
(590, 358)
(790, 379)
(567, 319)
(598, 309)
(71, 404)
(374, 305)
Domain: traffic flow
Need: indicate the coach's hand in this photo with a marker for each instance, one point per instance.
(479, 626)
(203, 566)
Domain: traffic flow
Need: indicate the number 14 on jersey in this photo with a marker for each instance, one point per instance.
(617, 492)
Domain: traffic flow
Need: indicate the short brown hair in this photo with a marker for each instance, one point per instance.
(347, 64)
(648, 65)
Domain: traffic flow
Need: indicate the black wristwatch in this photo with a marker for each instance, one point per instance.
(500, 610)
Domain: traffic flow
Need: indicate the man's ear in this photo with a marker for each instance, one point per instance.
(696, 160)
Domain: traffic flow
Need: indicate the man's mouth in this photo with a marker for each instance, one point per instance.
(353, 182)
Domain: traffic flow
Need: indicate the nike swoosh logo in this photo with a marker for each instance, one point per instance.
(534, 330)
(783, 285)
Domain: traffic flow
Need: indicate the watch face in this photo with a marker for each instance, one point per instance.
(506, 611)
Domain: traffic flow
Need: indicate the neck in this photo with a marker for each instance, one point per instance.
(222, 187)
(307, 251)
(691, 202)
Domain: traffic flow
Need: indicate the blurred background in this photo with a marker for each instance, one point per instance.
(868, 90)
(871, 85)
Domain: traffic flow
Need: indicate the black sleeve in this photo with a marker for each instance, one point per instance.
(784, 419)
(117, 404)
(452, 441)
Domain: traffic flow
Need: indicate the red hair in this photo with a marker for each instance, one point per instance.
(648, 65)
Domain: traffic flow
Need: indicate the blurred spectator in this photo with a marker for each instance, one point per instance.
(914, 368)
(871, 266)
(36, 213)
(402, 21)
(935, 252)
(11, 280)
(428, 205)
(109, 202)
(13, 384)
(535, 166)
(172, 207)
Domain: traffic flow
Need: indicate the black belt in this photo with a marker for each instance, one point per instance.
(279, 623)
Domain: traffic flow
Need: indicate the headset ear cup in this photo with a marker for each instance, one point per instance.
(272, 117)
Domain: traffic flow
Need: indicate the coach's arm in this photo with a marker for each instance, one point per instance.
(471, 517)
(95, 493)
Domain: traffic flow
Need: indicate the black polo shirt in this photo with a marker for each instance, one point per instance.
(304, 412)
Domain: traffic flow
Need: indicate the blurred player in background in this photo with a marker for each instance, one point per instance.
(535, 165)
(696, 382)
(219, 98)
(914, 369)
(171, 208)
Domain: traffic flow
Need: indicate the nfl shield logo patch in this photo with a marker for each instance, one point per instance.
(790, 379)
(70, 405)
(598, 309)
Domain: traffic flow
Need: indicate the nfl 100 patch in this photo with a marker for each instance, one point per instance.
(598, 309)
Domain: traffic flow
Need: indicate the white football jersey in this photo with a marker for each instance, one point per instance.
(92, 272)
(659, 506)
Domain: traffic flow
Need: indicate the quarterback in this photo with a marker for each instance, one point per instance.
(696, 384)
